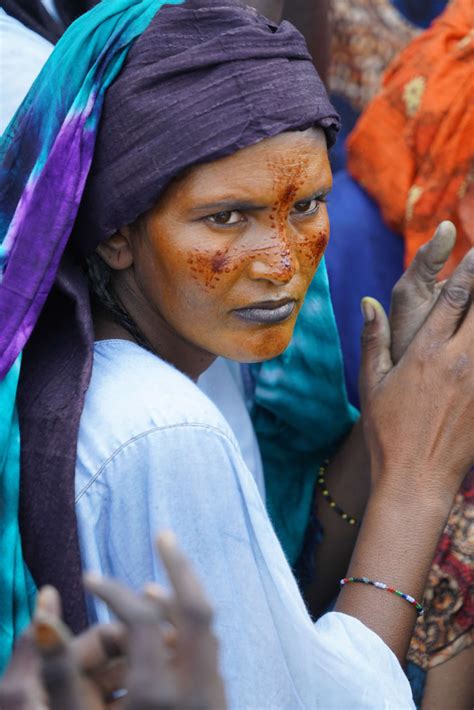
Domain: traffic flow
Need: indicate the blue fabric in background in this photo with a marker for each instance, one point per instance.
(364, 258)
(420, 12)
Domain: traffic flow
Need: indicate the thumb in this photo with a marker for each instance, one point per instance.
(376, 358)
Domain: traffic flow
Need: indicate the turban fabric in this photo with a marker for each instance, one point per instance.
(135, 92)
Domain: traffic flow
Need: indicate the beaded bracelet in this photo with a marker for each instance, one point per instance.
(332, 503)
(382, 585)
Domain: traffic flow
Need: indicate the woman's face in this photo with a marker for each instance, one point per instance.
(227, 255)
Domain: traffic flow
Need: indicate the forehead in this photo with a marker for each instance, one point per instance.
(260, 169)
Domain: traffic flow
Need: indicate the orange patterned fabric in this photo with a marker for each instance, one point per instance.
(413, 147)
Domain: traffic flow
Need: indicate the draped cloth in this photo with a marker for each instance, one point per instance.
(17, 588)
(137, 96)
(424, 118)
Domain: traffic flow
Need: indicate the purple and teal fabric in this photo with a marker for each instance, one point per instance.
(17, 588)
(45, 155)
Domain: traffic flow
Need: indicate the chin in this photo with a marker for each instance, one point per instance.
(265, 349)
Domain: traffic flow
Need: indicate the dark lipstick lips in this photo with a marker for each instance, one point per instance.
(268, 311)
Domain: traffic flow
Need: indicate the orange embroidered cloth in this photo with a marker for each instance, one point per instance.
(413, 147)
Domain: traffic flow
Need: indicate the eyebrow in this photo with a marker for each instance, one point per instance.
(240, 205)
(228, 206)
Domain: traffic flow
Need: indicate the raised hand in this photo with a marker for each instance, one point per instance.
(421, 411)
(163, 652)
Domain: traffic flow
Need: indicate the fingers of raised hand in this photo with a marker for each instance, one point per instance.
(191, 602)
(415, 294)
(150, 681)
(453, 306)
(99, 645)
(376, 359)
(20, 687)
(431, 258)
(59, 671)
(126, 605)
(196, 643)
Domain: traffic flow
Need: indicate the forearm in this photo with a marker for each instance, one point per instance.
(348, 481)
(396, 545)
(312, 20)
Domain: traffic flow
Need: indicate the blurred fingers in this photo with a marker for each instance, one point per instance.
(197, 648)
(191, 600)
(58, 669)
(49, 601)
(150, 682)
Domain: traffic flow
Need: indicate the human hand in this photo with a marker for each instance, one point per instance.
(51, 669)
(173, 668)
(415, 294)
(419, 414)
(172, 653)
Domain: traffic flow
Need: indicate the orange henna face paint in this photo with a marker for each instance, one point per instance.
(228, 253)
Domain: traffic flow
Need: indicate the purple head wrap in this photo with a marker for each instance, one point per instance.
(205, 78)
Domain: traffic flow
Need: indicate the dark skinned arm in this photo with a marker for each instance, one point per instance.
(418, 422)
(348, 475)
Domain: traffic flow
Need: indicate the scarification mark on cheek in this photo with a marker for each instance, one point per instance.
(312, 248)
(209, 269)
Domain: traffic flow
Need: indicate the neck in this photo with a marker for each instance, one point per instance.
(162, 339)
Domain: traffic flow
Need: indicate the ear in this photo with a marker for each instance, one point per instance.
(116, 250)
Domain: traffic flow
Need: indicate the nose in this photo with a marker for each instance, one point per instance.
(276, 260)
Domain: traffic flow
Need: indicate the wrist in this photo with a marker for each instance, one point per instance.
(413, 490)
(410, 501)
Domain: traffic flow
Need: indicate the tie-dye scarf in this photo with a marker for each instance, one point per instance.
(41, 195)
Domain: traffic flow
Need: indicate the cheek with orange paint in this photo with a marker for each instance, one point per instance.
(312, 248)
(211, 268)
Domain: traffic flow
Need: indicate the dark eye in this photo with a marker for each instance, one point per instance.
(307, 206)
(226, 218)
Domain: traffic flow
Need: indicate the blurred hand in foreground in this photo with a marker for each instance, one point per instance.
(162, 653)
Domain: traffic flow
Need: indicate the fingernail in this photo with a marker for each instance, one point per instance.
(47, 637)
(48, 601)
(368, 310)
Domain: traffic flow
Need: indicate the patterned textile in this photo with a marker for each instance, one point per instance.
(447, 627)
(366, 36)
(424, 116)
